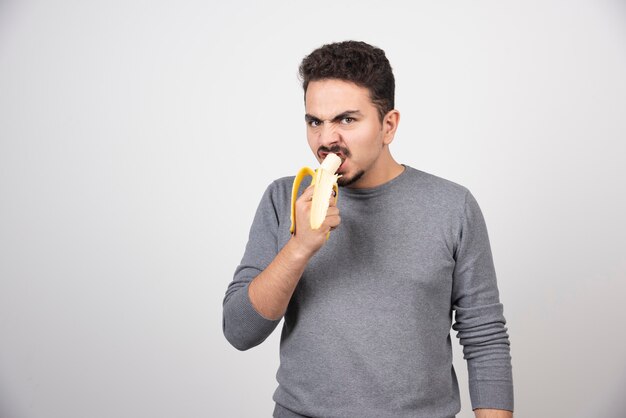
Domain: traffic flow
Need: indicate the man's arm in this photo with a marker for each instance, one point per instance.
(492, 413)
(265, 280)
(271, 291)
(479, 316)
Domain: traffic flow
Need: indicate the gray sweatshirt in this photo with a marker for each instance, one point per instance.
(367, 331)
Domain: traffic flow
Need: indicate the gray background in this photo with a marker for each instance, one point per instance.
(137, 137)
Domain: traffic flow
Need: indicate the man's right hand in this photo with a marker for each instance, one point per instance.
(308, 240)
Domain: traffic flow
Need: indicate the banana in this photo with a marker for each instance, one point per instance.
(325, 181)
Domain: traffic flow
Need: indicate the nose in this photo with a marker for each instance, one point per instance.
(328, 135)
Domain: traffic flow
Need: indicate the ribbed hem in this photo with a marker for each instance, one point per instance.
(491, 395)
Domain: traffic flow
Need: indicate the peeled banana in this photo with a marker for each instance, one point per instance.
(325, 181)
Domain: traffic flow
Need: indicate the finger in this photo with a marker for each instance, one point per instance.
(333, 222)
(307, 195)
(332, 217)
(332, 211)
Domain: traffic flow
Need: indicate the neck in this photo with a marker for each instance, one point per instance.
(384, 170)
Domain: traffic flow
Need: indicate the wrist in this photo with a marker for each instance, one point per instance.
(298, 250)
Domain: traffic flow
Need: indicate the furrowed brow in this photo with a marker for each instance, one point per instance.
(346, 114)
(310, 118)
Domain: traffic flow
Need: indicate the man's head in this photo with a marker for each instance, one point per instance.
(357, 62)
(348, 98)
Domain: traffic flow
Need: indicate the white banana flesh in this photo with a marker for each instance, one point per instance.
(324, 182)
(325, 179)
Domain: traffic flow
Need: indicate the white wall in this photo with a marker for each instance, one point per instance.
(136, 138)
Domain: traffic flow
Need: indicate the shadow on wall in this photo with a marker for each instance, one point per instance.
(615, 401)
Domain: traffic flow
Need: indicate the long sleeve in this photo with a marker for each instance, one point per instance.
(479, 318)
(243, 326)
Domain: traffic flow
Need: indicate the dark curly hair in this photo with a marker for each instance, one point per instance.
(355, 61)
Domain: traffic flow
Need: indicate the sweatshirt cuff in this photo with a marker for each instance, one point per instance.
(491, 394)
(246, 327)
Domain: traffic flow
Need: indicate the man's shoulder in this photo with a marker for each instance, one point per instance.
(444, 200)
(279, 190)
(283, 182)
(437, 185)
(281, 185)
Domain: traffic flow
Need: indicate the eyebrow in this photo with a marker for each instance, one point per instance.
(346, 114)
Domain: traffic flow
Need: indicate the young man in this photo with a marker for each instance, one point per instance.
(367, 313)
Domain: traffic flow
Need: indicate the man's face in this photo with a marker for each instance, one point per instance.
(341, 118)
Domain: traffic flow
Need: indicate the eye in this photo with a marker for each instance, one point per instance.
(347, 120)
(314, 123)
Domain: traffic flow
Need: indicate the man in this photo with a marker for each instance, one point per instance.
(367, 313)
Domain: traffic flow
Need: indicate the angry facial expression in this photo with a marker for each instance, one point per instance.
(342, 119)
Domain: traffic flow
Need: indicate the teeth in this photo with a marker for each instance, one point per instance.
(325, 181)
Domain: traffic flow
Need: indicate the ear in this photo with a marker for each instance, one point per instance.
(390, 124)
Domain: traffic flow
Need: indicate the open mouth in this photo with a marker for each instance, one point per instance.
(343, 160)
(324, 154)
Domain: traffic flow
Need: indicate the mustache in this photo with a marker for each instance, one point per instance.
(335, 149)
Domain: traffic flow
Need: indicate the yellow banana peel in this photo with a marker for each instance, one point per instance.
(324, 181)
